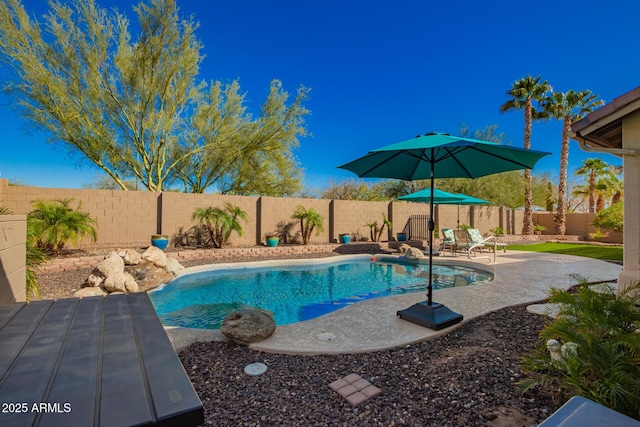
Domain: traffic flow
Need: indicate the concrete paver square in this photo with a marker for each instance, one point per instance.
(356, 398)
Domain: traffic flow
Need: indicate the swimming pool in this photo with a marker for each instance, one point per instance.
(295, 292)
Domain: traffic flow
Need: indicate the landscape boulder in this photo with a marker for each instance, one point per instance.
(131, 257)
(413, 254)
(404, 248)
(247, 326)
(121, 282)
(109, 266)
(156, 256)
(90, 292)
(173, 266)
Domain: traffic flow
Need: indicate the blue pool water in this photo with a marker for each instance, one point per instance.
(296, 292)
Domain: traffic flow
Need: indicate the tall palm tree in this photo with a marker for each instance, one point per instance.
(593, 169)
(567, 106)
(524, 93)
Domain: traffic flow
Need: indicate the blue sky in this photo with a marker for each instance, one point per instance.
(381, 72)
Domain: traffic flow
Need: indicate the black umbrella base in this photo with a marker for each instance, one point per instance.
(435, 316)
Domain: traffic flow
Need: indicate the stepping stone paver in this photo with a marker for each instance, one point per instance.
(354, 389)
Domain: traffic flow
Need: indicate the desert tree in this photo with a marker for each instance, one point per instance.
(126, 102)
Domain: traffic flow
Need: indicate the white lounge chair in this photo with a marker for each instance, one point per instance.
(486, 242)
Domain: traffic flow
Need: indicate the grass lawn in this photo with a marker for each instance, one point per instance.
(579, 249)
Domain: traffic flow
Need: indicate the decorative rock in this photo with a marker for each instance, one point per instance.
(110, 265)
(155, 256)
(247, 326)
(120, 282)
(90, 292)
(403, 248)
(93, 281)
(173, 266)
(413, 254)
(131, 257)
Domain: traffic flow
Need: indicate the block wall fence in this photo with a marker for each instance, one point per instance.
(129, 218)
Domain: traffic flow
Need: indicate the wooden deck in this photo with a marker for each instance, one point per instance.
(102, 361)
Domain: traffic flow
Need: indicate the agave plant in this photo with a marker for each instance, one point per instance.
(55, 223)
(220, 223)
(605, 366)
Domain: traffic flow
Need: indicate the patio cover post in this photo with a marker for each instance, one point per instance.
(631, 235)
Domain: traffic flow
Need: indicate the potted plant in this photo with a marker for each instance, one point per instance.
(272, 240)
(402, 237)
(160, 241)
(345, 238)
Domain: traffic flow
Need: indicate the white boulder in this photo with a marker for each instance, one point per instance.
(155, 256)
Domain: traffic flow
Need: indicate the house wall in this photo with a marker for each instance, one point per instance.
(13, 233)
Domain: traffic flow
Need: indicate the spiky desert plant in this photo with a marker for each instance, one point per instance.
(55, 223)
(606, 364)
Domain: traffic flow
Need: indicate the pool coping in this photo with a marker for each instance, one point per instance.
(372, 325)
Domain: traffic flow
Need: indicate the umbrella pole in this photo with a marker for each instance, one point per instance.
(435, 316)
(431, 228)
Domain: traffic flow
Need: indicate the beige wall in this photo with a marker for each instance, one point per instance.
(278, 210)
(351, 217)
(129, 218)
(578, 224)
(176, 210)
(124, 217)
(13, 234)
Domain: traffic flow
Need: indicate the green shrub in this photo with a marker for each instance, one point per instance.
(498, 231)
(611, 218)
(220, 223)
(55, 223)
(606, 365)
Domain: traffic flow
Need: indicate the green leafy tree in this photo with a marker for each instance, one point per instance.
(220, 223)
(523, 94)
(569, 107)
(133, 106)
(55, 223)
(239, 154)
(601, 357)
(611, 218)
(310, 220)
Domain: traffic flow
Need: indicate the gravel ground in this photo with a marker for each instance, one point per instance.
(465, 378)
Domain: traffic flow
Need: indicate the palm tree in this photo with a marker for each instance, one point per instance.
(220, 222)
(309, 220)
(523, 93)
(608, 186)
(56, 223)
(593, 168)
(567, 106)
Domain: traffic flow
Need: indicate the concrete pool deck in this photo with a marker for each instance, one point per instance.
(371, 325)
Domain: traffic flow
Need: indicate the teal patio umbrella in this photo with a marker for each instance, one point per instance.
(443, 198)
(439, 155)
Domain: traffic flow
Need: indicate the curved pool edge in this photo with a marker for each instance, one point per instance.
(270, 263)
(372, 325)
